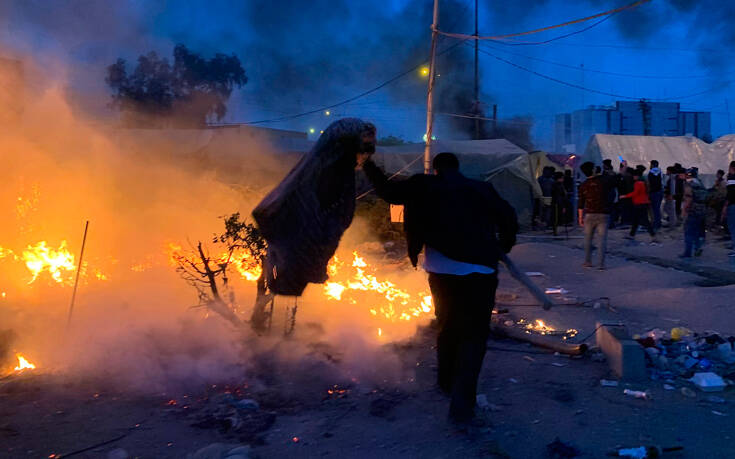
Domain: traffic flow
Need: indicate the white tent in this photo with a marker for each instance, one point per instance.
(687, 151)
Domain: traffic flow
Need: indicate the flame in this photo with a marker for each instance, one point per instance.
(242, 260)
(41, 258)
(540, 327)
(393, 303)
(24, 364)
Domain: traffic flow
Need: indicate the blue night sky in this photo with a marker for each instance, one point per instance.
(302, 55)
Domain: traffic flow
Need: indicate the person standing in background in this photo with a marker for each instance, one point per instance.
(728, 212)
(669, 203)
(655, 193)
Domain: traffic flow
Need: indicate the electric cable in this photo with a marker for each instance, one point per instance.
(543, 29)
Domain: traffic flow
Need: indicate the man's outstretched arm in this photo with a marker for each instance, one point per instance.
(391, 192)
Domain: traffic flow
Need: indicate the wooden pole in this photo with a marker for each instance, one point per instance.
(79, 269)
(521, 277)
(430, 95)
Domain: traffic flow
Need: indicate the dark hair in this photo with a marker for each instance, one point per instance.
(444, 162)
(598, 170)
(558, 175)
(732, 163)
(670, 170)
(654, 163)
(587, 168)
(720, 172)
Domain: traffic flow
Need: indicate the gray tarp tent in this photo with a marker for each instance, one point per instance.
(508, 167)
(687, 151)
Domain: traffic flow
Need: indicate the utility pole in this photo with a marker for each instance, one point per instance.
(477, 84)
(430, 96)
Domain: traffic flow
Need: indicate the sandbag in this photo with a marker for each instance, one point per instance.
(305, 216)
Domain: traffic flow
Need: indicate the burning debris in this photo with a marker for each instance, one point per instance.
(23, 364)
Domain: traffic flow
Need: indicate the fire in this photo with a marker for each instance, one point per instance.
(246, 264)
(41, 258)
(242, 260)
(389, 302)
(23, 364)
(540, 327)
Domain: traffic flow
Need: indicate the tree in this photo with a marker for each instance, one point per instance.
(185, 94)
(390, 141)
(241, 246)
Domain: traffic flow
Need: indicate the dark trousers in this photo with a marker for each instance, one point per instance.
(656, 199)
(627, 210)
(640, 218)
(463, 306)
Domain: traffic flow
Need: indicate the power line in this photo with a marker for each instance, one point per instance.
(601, 72)
(543, 29)
(543, 42)
(596, 91)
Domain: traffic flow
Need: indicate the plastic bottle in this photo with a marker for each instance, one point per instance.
(638, 394)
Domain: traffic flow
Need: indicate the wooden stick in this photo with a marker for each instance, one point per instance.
(521, 277)
(79, 269)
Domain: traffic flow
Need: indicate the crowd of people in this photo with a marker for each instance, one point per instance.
(636, 198)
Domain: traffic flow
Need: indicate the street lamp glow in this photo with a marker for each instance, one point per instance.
(327, 112)
(424, 71)
(312, 130)
(433, 137)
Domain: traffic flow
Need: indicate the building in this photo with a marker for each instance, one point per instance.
(573, 130)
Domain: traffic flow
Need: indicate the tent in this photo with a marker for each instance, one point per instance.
(508, 167)
(687, 151)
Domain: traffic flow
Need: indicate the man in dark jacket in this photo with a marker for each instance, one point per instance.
(464, 227)
(559, 201)
(594, 212)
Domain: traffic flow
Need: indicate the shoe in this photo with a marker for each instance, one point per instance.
(586, 264)
(683, 255)
(602, 268)
(731, 254)
(655, 242)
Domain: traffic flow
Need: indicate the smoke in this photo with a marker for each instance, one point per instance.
(136, 324)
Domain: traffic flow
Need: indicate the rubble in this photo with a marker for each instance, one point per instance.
(704, 360)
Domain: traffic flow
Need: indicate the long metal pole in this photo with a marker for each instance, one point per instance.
(477, 84)
(430, 95)
(79, 269)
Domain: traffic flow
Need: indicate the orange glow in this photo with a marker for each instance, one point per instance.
(23, 364)
(57, 262)
(387, 300)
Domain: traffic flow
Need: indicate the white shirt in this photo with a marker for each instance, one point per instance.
(435, 262)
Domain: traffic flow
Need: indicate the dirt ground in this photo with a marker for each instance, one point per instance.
(535, 396)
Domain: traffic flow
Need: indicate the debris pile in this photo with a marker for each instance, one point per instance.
(706, 360)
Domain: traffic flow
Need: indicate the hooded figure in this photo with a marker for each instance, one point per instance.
(304, 217)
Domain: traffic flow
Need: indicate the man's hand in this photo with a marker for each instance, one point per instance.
(361, 158)
(580, 217)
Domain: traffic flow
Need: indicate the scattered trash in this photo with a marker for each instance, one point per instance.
(513, 380)
(656, 334)
(535, 274)
(608, 383)
(708, 382)
(678, 333)
(669, 387)
(247, 404)
(644, 452)
(558, 449)
(557, 364)
(529, 358)
(687, 392)
(715, 399)
(118, 453)
(556, 291)
(719, 413)
(645, 395)
(690, 363)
